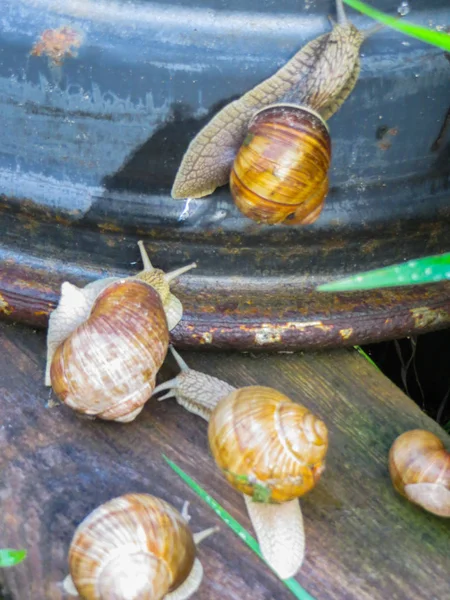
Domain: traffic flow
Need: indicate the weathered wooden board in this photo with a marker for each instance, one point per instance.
(363, 540)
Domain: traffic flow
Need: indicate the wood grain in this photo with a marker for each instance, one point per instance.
(363, 540)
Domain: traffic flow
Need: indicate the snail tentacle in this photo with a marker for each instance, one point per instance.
(144, 257)
(195, 391)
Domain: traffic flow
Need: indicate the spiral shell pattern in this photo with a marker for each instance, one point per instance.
(135, 547)
(281, 170)
(419, 467)
(267, 446)
(108, 365)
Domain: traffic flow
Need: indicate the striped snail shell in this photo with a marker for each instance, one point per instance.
(273, 184)
(281, 170)
(107, 341)
(134, 547)
(419, 466)
(267, 446)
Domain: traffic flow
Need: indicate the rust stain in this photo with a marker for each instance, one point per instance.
(5, 308)
(207, 338)
(424, 317)
(384, 135)
(109, 227)
(312, 324)
(384, 145)
(267, 335)
(345, 333)
(58, 44)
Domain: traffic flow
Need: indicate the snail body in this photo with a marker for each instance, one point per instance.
(317, 80)
(107, 341)
(269, 448)
(419, 466)
(134, 547)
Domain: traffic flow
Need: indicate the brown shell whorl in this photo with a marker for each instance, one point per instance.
(419, 466)
(267, 446)
(134, 542)
(281, 170)
(107, 366)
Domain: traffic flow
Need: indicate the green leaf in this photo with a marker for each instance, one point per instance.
(9, 558)
(291, 583)
(436, 38)
(430, 269)
(366, 356)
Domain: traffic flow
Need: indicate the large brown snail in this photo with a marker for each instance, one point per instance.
(107, 341)
(273, 144)
(135, 547)
(419, 466)
(269, 448)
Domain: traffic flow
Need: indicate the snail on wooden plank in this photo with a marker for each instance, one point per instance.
(268, 448)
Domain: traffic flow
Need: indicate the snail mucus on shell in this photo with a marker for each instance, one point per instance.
(107, 341)
(273, 145)
(419, 466)
(135, 547)
(269, 448)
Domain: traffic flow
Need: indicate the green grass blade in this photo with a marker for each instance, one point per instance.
(291, 583)
(430, 269)
(436, 38)
(366, 356)
(9, 557)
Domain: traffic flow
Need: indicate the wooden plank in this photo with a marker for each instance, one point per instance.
(363, 540)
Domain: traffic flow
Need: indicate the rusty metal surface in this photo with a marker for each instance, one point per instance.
(245, 313)
(99, 101)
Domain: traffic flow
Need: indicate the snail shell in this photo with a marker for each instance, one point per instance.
(135, 547)
(320, 76)
(419, 466)
(281, 169)
(107, 341)
(267, 446)
(108, 366)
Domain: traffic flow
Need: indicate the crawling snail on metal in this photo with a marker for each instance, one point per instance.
(273, 144)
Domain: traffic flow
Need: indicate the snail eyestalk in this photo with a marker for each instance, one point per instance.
(144, 257)
(174, 274)
(340, 12)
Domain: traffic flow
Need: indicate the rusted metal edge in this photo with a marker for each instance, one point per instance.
(227, 315)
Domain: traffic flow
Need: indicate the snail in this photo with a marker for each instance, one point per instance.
(273, 144)
(135, 547)
(419, 466)
(269, 448)
(107, 341)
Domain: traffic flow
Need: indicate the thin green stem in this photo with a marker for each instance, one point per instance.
(436, 38)
(366, 356)
(290, 583)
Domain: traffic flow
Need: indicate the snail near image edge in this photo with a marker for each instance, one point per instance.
(272, 469)
(107, 341)
(135, 546)
(419, 466)
(273, 144)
